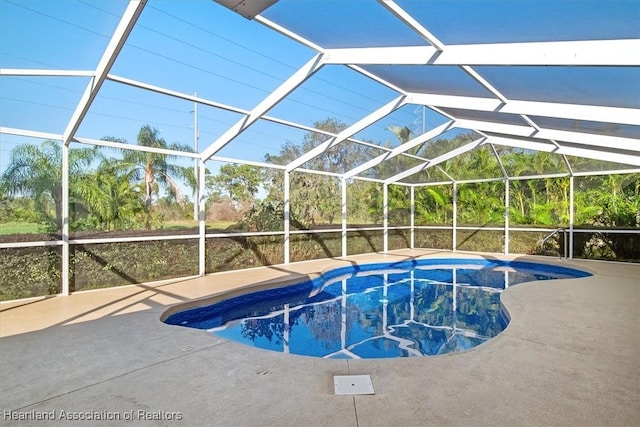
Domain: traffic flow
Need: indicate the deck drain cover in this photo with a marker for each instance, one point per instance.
(353, 384)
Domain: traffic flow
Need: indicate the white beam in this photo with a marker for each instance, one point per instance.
(127, 22)
(210, 103)
(299, 77)
(132, 147)
(555, 53)
(499, 160)
(614, 53)
(343, 215)
(319, 172)
(401, 55)
(286, 191)
(530, 144)
(506, 217)
(527, 144)
(247, 162)
(608, 156)
(409, 20)
(436, 160)
(504, 128)
(421, 139)
(202, 226)
(288, 33)
(630, 116)
(590, 139)
(30, 133)
(454, 230)
(175, 94)
(606, 172)
(348, 132)
(477, 77)
(378, 79)
(45, 73)
(571, 214)
(385, 217)
(66, 253)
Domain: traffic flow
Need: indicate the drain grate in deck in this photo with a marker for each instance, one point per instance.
(353, 384)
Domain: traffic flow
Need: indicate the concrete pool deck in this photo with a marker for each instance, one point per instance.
(570, 356)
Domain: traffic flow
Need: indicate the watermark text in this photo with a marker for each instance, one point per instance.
(92, 415)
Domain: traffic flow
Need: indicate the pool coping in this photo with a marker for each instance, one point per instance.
(26, 315)
(329, 272)
(559, 362)
(276, 283)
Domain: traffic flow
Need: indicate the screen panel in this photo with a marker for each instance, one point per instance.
(351, 23)
(496, 21)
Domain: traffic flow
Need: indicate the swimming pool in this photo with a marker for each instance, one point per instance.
(407, 309)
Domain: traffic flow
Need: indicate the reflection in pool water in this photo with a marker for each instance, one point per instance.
(418, 308)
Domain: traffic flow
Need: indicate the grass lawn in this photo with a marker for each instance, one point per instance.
(179, 225)
(28, 227)
(20, 228)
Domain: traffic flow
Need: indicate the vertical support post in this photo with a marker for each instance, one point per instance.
(196, 137)
(343, 188)
(571, 215)
(506, 216)
(201, 221)
(413, 217)
(118, 39)
(66, 253)
(286, 216)
(455, 217)
(385, 216)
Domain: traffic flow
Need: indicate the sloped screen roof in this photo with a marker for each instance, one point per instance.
(556, 76)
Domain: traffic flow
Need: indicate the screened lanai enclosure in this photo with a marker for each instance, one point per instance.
(147, 140)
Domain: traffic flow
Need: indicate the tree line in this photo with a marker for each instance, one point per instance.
(141, 190)
(105, 193)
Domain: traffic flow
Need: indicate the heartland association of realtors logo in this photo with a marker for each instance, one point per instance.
(62, 415)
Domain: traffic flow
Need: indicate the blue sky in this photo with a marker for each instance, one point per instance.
(185, 46)
(199, 46)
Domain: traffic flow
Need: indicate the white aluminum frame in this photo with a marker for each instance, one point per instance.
(530, 135)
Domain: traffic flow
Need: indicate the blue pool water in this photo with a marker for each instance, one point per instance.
(414, 308)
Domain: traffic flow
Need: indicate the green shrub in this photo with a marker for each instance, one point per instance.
(29, 272)
(480, 241)
(104, 265)
(434, 239)
(234, 253)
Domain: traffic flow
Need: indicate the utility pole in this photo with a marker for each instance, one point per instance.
(420, 120)
(196, 137)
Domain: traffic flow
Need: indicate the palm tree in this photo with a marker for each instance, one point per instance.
(36, 172)
(403, 133)
(153, 170)
(107, 197)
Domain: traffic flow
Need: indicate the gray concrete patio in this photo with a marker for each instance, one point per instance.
(569, 357)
